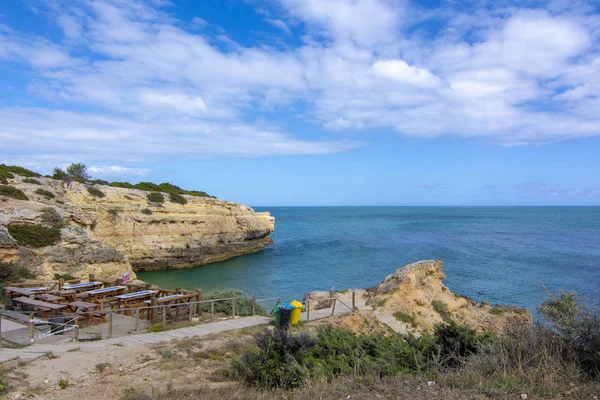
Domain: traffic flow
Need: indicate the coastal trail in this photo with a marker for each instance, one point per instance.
(37, 350)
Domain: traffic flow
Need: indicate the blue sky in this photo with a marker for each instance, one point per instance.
(311, 102)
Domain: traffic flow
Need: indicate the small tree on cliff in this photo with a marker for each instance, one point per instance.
(78, 172)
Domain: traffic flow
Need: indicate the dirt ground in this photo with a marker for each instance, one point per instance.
(106, 373)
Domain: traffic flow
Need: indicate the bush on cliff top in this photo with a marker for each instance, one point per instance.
(155, 197)
(11, 191)
(34, 235)
(13, 169)
(243, 307)
(47, 194)
(177, 198)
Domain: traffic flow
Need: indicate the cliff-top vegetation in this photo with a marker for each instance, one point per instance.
(78, 172)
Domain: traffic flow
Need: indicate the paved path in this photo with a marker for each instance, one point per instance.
(37, 350)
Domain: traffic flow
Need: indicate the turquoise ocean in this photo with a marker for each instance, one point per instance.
(497, 254)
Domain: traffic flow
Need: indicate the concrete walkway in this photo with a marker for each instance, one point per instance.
(36, 350)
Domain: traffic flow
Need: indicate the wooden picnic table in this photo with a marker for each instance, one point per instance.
(50, 298)
(89, 313)
(80, 287)
(10, 290)
(68, 295)
(125, 299)
(42, 307)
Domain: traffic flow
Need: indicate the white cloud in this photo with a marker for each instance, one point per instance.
(108, 170)
(147, 88)
(400, 71)
(278, 23)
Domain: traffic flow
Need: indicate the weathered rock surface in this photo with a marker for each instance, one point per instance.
(417, 290)
(123, 232)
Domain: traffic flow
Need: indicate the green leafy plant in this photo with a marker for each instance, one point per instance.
(442, 309)
(63, 384)
(14, 169)
(95, 192)
(167, 353)
(177, 198)
(11, 191)
(52, 218)
(34, 235)
(409, 319)
(32, 181)
(243, 306)
(78, 172)
(456, 342)
(155, 197)
(64, 277)
(47, 194)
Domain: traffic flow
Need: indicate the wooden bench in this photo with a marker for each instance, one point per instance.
(41, 306)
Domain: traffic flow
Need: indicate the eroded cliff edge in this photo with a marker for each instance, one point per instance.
(124, 232)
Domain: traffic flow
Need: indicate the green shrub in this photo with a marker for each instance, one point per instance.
(146, 211)
(51, 217)
(442, 309)
(32, 181)
(5, 176)
(95, 192)
(155, 197)
(243, 306)
(276, 362)
(177, 198)
(167, 353)
(11, 191)
(78, 172)
(125, 185)
(34, 235)
(47, 194)
(457, 342)
(14, 272)
(98, 182)
(157, 327)
(13, 169)
(409, 319)
(63, 384)
(577, 324)
(64, 277)
(60, 174)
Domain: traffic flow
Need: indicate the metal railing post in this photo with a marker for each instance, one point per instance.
(137, 320)
(31, 328)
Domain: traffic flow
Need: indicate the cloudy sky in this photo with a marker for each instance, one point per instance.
(311, 102)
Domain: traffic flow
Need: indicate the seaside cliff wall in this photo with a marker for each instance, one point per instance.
(124, 232)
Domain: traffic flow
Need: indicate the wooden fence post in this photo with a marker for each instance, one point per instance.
(253, 305)
(92, 277)
(212, 311)
(233, 308)
(76, 333)
(164, 317)
(331, 293)
(110, 324)
(333, 308)
(61, 283)
(353, 300)
(307, 311)
(153, 309)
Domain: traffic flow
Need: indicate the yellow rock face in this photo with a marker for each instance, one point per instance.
(417, 290)
(124, 232)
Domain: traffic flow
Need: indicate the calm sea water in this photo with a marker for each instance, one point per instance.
(497, 254)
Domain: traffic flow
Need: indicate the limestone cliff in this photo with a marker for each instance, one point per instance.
(124, 232)
(417, 299)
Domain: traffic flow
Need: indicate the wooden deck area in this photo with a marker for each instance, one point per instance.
(38, 350)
